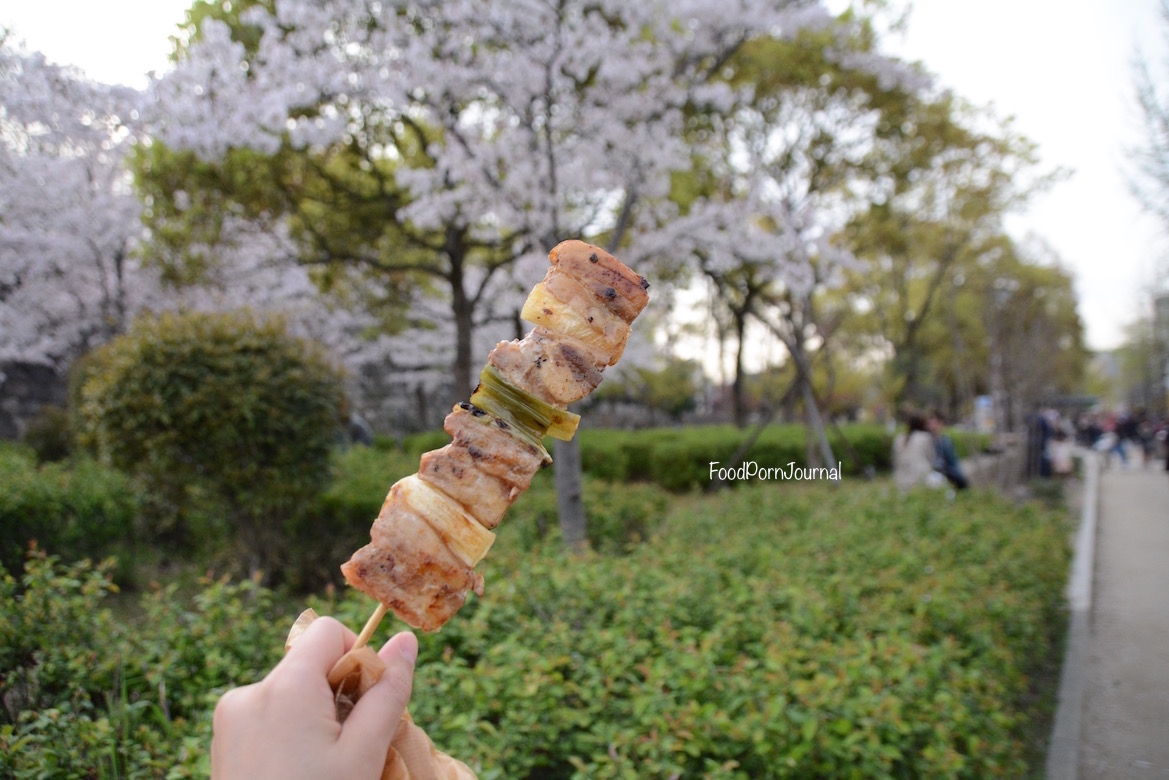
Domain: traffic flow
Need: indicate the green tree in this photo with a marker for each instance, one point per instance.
(669, 389)
(224, 417)
(946, 186)
(1150, 180)
(1003, 323)
(1141, 363)
(1033, 332)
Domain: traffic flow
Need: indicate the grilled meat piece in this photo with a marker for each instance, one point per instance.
(559, 370)
(411, 498)
(453, 471)
(611, 281)
(414, 574)
(484, 468)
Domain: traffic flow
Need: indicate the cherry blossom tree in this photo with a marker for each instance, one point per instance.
(69, 219)
(74, 269)
(486, 131)
(791, 167)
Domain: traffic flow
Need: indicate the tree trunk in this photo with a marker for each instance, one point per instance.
(423, 407)
(738, 388)
(567, 474)
(462, 310)
(816, 435)
(816, 431)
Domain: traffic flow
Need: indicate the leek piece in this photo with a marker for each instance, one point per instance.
(531, 417)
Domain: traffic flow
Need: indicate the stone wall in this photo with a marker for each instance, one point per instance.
(24, 389)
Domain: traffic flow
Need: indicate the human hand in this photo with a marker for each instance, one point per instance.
(286, 726)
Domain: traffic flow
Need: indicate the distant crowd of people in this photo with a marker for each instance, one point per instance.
(1128, 437)
(1136, 437)
(925, 455)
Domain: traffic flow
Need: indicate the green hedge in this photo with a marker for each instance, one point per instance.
(73, 509)
(789, 630)
(679, 459)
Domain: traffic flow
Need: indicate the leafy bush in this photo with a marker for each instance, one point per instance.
(85, 695)
(73, 509)
(48, 434)
(222, 415)
(767, 632)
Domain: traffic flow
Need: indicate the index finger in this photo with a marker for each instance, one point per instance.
(323, 642)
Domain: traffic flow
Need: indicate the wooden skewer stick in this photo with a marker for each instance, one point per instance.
(370, 626)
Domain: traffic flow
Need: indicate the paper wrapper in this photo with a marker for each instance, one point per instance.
(412, 756)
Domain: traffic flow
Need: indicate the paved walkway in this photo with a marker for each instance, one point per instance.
(1113, 718)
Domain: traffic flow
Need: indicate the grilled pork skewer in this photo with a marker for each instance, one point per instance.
(436, 525)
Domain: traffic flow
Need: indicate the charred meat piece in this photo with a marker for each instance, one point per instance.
(611, 281)
(485, 467)
(558, 370)
(415, 576)
(411, 499)
(577, 318)
(453, 471)
(492, 445)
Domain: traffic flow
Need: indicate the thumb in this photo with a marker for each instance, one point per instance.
(371, 726)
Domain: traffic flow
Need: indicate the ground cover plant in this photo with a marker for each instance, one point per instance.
(777, 630)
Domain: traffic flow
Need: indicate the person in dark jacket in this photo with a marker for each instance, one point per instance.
(945, 456)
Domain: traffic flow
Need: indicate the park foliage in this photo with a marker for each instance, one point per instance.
(773, 630)
(226, 421)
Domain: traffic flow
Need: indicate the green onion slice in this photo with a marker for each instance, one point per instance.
(530, 416)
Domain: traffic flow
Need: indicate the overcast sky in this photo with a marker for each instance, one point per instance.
(1064, 70)
(1061, 68)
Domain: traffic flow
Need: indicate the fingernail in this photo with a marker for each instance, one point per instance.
(408, 646)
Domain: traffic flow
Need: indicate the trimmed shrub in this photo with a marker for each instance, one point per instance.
(679, 459)
(72, 509)
(226, 420)
(766, 633)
